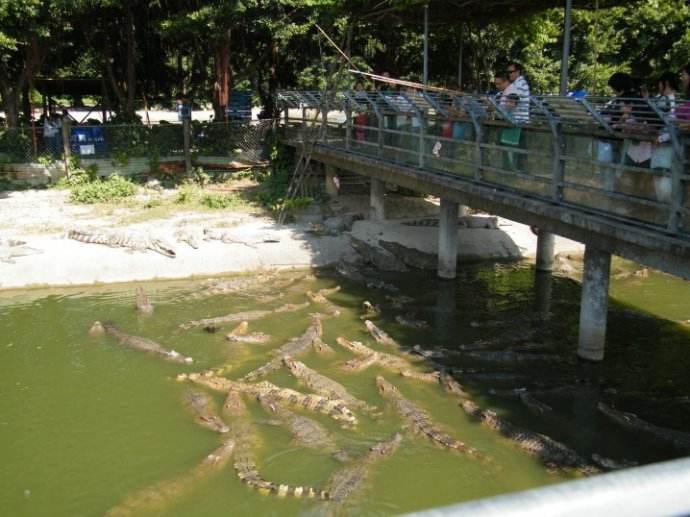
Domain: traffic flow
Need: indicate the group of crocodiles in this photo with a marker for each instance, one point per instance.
(143, 241)
(289, 408)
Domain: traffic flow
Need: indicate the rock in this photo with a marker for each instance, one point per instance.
(377, 256)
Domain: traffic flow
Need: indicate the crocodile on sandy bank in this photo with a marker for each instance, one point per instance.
(163, 494)
(336, 409)
(201, 406)
(419, 420)
(132, 241)
(323, 385)
(293, 348)
(243, 431)
(11, 249)
(241, 316)
(138, 343)
(143, 303)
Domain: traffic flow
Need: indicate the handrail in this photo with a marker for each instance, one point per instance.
(657, 489)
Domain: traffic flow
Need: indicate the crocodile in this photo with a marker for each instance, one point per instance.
(294, 347)
(239, 285)
(322, 348)
(12, 248)
(323, 385)
(350, 273)
(247, 439)
(389, 362)
(255, 338)
(329, 307)
(678, 439)
(336, 409)
(227, 238)
(347, 481)
(511, 356)
(241, 316)
(399, 301)
(380, 336)
(163, 494)
(138, 343)
(132, 241)
(190, 237)
(201, 406)
(143, 303)
(419, 420)
(409, 321)
(305, 431)
(549, 451)
(370, 311)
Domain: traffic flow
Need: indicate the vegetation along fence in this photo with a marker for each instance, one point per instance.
(26, 154)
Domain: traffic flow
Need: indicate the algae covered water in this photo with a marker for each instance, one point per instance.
(86, 423)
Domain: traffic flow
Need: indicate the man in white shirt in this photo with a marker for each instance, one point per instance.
(520, 87)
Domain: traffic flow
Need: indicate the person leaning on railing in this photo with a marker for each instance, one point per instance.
(662, 154)
(683, 110)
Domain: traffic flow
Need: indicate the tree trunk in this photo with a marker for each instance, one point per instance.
(131, 83)
(223, 79)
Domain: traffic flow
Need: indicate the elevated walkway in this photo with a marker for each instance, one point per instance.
(609, 172)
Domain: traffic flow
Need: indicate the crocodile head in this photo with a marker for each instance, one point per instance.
(97, 329)
(162, 247)
(384, 386)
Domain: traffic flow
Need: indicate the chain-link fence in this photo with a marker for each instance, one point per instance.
(137, 149)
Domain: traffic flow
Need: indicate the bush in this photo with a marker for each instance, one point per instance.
(187, 194)
(220, 201)
(101, 191)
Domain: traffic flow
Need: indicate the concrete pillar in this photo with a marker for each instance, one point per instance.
(445, 316)
(594, 304)
(377, 200)
(545, 250)
(543, 281)
(448, 239)
(331, 181)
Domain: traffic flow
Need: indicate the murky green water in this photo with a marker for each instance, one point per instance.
(85, 422)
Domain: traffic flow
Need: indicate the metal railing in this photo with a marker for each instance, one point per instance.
(658, 489)
(620, 157)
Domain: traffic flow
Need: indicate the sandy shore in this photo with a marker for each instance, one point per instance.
(41, 219)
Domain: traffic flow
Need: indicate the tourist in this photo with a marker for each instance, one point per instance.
(668, 88)
(683, 111)
(519, 86)
(501, 82)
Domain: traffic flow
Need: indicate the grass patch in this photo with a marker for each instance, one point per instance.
(221, 201)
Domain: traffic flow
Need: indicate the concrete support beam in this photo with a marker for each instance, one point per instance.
(543, 282)
(331, 181)
(377, 210)
(594, 304)
(448, 239)
(545, 251)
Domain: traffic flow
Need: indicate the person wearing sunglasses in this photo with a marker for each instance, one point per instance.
(520, 87)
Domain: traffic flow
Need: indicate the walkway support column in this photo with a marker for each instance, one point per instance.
(594, 304)
(448, 239)
(377, 200)
(545, 250)
(331, 186)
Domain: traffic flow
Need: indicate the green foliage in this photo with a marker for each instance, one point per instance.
(101, 191)
(187, 193)
(220, 201)
(15, 144)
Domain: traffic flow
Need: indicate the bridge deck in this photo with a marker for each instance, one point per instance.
(564, 165)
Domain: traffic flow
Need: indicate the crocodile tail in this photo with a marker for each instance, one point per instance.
(249, 474)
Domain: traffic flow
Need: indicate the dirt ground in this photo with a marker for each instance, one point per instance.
(41, 219)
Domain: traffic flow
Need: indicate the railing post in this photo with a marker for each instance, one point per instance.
(422, 132)
(187, 147)
(66, 147)
(348, 125)
(479, 135)
(558, 164)
(676, 201)
(380, 119)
